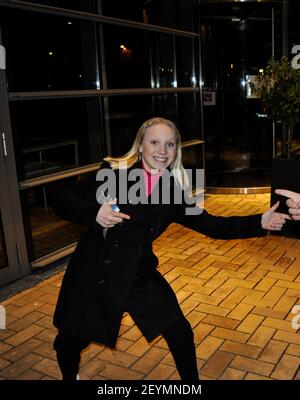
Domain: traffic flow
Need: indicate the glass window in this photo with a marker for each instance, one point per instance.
(127, 113)
(56, 53)
(45, 230)
(132, 10)
(162, 59)
(185, 62)
(127, 57)
(79, 5)
(153, 12)
(52, 135)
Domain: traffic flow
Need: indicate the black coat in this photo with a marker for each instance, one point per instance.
(106, 277)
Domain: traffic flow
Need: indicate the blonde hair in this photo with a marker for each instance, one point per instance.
(134, 155)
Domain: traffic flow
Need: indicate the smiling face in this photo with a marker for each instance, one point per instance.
(158, 147)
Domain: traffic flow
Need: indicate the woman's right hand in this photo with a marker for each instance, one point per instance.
(108, 218)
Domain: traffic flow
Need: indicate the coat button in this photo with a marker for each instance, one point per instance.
(139, 249)
(115, 243)
(107, 261)
(151, 229)
(101, 282)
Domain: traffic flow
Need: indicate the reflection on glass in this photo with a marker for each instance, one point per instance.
(162, 57)
(237, 43)
(185, 66)
(45, 230)
(125, 118)
(127, 57)
(3, 255)
(59, 57)
(52, 135)
(79, 5)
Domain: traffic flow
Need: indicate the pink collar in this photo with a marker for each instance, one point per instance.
(150, 180)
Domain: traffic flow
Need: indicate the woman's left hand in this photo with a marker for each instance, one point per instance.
(273, 220)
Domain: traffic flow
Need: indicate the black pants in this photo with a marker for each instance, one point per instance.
(179, 336)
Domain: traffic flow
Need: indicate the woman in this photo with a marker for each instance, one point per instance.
(113, 268)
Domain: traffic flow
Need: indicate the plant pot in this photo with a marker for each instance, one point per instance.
(286, 175)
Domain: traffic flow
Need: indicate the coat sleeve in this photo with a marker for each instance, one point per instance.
(218, 227)
(77, 201)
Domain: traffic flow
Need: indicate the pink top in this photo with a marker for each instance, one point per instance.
(150, 180)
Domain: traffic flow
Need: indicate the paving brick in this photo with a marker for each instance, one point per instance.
(47, 335)
(273, 351)
(210, 309)
(133, 333)
(93, 350)
(286, 368)
(242, 349)
(92, 367)
(46, 350)
(15, 369)
(4, 347)
(250, 365)
(28, 308)
(254, 377)
(201, 331)
(139, 347)
(114, 372)
(293, 350)
(235, 298)
(30, 375)
(217, 364)
(278, 324)
(231, 335)
(268, 312)
(240, 311)
(221, 321)
(208, 346)
(3, 364)
(287, 337)
(250, 323)
(203, 298)
(233, 374)
(15, 353)
(261, 336)
(160, 372)
(25, 321)
(23, 335)
(222, 293)
(285, 304)
(148, 361)
(289, 285)
(265, 284)
(188, 305)
(48, 367)
(123, 359)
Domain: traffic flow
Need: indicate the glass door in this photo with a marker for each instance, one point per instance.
(13, 259)
(238, 39)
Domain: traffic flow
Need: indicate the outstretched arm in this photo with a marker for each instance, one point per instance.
(234, 227)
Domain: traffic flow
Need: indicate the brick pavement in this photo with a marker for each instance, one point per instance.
(238, 296)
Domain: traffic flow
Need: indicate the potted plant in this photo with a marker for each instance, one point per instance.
(279, 91)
